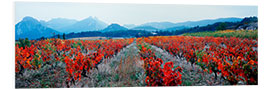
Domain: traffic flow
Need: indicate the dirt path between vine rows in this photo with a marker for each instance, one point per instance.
(124, 69)
(191, 76)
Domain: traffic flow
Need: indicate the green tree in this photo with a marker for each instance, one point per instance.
(221, 26)
(64, 36)
(58, 36)
(24, 42)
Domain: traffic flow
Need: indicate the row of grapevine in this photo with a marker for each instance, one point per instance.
(235, 59)
(158, 74)
(79, 56)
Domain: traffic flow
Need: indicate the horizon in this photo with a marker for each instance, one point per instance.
(131, 23)
(124, 13)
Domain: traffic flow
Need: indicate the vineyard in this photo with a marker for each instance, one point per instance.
(145, 61)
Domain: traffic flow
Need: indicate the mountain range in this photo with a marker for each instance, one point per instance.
(116, 30)
(129, 26)
(88, 24)
(248, 23)
(147, 28)
(58, 23)
(114, 27)
(166, 25)
(32, 28)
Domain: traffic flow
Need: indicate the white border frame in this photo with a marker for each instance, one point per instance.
(7, 23)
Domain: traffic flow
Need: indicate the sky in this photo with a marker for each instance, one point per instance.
(129, 13)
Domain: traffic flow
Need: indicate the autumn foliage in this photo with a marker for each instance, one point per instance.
(235, 59)
(79, 56)
(158, 74)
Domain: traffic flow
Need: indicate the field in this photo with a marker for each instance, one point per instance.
(95, 38)
(89, 38)
(251, 34)
(186, 60)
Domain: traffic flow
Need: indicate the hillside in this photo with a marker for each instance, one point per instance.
(248, 23)
(58, 23)
(88, 24)
(168, 25)
(208, 21)
(147, 28)
(32, 29)
(116, 30)
(113, 27)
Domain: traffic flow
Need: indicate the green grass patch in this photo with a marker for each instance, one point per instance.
(251, 34)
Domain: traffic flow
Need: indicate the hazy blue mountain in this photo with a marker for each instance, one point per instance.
(129, 26)
(208, 21)
(160, 25)
(166, 25)
(88, 24)
(42, 22)
(146, 28)
(248, 23)
(114, 27)
(32, 29)
(176, 28)
(58, 23)
(115, 30)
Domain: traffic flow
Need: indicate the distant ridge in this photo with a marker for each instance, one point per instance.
(58, 23)
(88, 24)
(129, 26)
(147, 28)
(32, 29)
(166, 25)
(114, 27)
(115, 30)
(208, 21)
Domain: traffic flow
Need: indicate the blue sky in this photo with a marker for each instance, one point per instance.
(129, 13)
